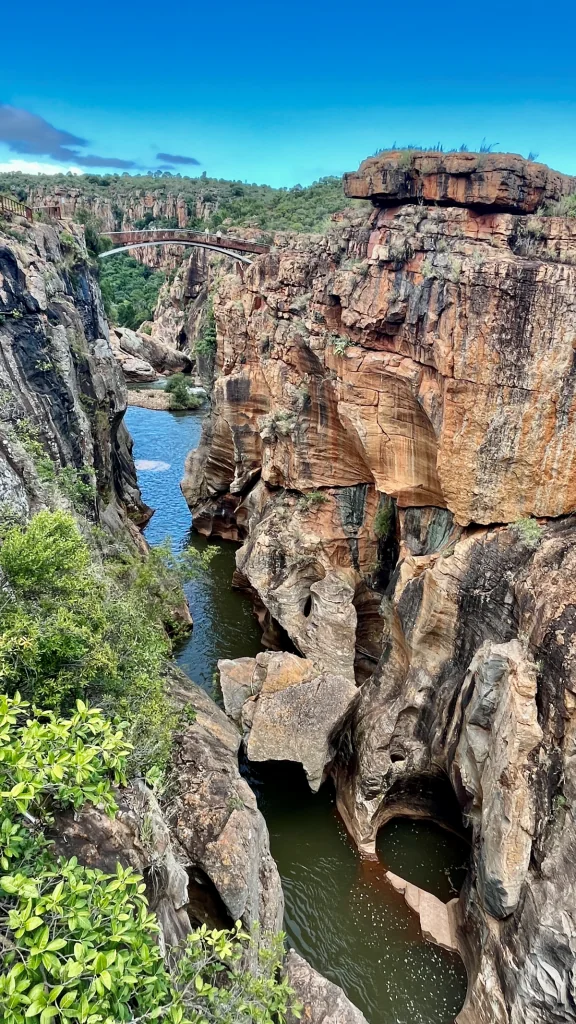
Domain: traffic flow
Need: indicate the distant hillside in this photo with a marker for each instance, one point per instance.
(170, 200)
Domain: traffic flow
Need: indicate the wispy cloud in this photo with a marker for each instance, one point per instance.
(170, 158)
(38, 167)
(27, 133)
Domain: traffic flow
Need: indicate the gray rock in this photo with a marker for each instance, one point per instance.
(324, 1002)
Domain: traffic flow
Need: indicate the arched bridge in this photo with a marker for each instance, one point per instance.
(236, 248)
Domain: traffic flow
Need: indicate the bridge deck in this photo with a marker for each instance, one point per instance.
(204, 238)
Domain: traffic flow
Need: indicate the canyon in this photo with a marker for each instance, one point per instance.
(391, 438)
(390, 442)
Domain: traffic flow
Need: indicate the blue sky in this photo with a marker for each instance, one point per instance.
(282, 93)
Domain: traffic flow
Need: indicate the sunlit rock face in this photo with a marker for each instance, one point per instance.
(286, 709)
(487, 180)
(429, 353)
(390, 399)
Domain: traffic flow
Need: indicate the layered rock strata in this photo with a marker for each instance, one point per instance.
(392, 437)
(61, 392)
(204, 851)
(494, 181)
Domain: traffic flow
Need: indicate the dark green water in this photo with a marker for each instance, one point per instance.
(341, 913)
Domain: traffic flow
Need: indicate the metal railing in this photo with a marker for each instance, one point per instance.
(10, 205)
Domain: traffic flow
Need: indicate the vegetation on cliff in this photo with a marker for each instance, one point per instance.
(76, 625)
(222, 202)
(129, 290)
(81, 945)
(181, 397)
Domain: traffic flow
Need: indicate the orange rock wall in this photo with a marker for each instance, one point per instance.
(427, 351)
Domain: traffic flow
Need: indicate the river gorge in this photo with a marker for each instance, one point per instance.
(341, 912)
(356, 720)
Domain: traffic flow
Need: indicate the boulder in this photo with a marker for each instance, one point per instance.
(287, 709)
(438, 920)
(499, 181)
(322, 1001)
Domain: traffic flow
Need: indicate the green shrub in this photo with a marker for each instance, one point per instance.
(73, 628)
(174, 382)
(78, 486)
(129, 290)
(340, 343)
(182, 398)
(81, 945)
(208, 339)
(46, 557)
(565, 207)
(312, 499)
(383, 519)
(528, 531)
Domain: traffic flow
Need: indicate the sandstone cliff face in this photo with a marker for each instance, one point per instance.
(387, 399)
(487, 180)
(433, 362)
(114, 215)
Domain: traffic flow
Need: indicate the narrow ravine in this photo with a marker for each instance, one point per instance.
(341, 913)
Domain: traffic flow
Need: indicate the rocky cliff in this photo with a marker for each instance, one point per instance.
(203, 850)
(62, 397)
(62, 438)
(392, 437)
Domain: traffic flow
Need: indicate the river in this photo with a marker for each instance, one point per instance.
(341, 913)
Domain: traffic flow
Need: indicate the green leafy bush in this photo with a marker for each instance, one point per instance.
(80, 945)
(207, 341)
(72, 627)
(180, 395)
(215, 987)
(311, 500)
(47, 557)
(383, 519)
(340, 343)
(174, 382)
(129, 290)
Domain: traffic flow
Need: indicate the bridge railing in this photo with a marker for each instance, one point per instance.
(131, 236)
(10, 205)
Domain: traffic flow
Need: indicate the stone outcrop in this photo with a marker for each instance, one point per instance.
(392, 437)
(204, 853)
(144, 358)
(322, 1001)
(287, 710)
(495, 181)
(216, 821)
(409, 359)
(438, 920)
(61, 392)
(476, 683)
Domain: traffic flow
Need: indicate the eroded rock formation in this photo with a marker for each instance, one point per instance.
(393, 403)
(286, 709)
(60, 386)
(205, 853)
(143, 358)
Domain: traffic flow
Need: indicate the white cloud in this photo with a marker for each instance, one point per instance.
(36, 167)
